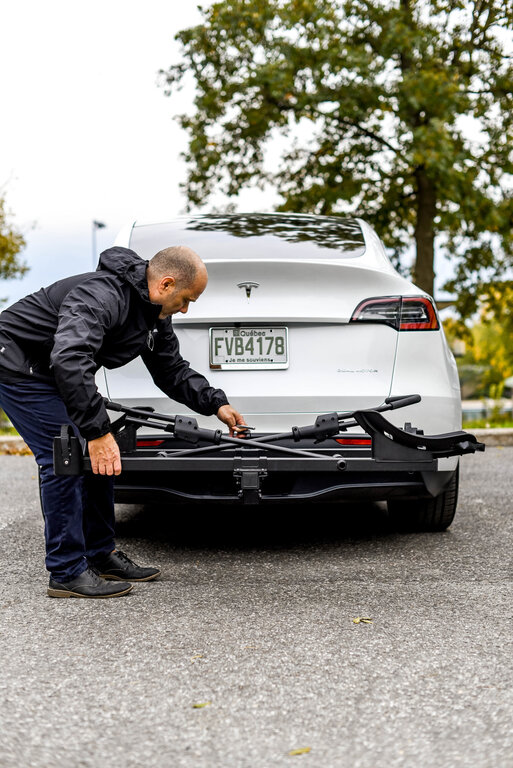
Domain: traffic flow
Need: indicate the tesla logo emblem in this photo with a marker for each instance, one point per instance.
(248, 287)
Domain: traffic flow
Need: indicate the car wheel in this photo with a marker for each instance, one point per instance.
(435, 514)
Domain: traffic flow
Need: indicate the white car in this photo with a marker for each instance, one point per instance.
(303, 315)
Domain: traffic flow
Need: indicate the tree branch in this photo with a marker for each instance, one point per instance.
(367, 132)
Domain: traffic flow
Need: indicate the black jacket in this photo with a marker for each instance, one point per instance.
(65, 332)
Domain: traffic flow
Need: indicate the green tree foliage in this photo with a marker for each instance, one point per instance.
(492, 335)
(396, 110)
(488, 358)
(12, 243)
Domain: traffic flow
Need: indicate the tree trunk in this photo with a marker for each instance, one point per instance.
(423, 273)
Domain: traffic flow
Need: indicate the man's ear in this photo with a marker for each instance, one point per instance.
(167, 282)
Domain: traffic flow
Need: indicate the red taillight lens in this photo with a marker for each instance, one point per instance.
(386, 310)
(354, 440)
(418, 314)
(406, 313)
(149, 443)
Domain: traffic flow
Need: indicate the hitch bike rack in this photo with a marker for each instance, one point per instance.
(251, 459)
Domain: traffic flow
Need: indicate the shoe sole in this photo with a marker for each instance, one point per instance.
(68, 593)
(110, 577)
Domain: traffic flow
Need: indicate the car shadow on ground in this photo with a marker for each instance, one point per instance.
(249, 527)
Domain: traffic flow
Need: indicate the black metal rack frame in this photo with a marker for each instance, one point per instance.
(250, 459)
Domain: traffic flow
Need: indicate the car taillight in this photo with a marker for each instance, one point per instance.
(386, 310)
(404, 313)
(353, 440)
(149, 443)
(418, 314)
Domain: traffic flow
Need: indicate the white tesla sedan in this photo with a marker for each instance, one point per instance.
(303, 315)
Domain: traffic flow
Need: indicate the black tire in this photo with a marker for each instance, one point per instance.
(434, 514)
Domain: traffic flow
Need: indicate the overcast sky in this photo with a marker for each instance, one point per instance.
(85, 132)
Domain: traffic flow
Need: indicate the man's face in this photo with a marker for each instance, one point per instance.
(175, 298)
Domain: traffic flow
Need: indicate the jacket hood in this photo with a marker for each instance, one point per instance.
(128, 265)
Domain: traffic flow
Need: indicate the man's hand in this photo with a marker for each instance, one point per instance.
(104, 455)
(232, 419)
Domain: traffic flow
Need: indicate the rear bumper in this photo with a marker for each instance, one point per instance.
(237, 477)
(377, 491)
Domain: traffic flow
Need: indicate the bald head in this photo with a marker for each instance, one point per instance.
(180, 262)
(176, 277)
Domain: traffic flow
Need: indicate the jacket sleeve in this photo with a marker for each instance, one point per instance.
(86, 313)
(173, 375)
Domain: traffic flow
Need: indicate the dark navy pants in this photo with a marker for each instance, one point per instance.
(78, 511)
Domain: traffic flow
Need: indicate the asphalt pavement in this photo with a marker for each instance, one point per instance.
(246, 651)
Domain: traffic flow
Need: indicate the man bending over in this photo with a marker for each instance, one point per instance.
(52, 342)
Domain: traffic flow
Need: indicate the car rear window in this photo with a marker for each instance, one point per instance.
(254, 236)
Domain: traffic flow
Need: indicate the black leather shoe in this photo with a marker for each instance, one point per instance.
(117, 566)
(88, 584)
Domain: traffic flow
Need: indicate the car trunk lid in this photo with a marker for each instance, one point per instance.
(318, 292)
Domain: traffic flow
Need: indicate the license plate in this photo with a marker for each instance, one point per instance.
(249, 348)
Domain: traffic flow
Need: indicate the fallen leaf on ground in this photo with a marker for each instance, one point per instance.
(361, 620)
(201, 704)
(302, 751)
